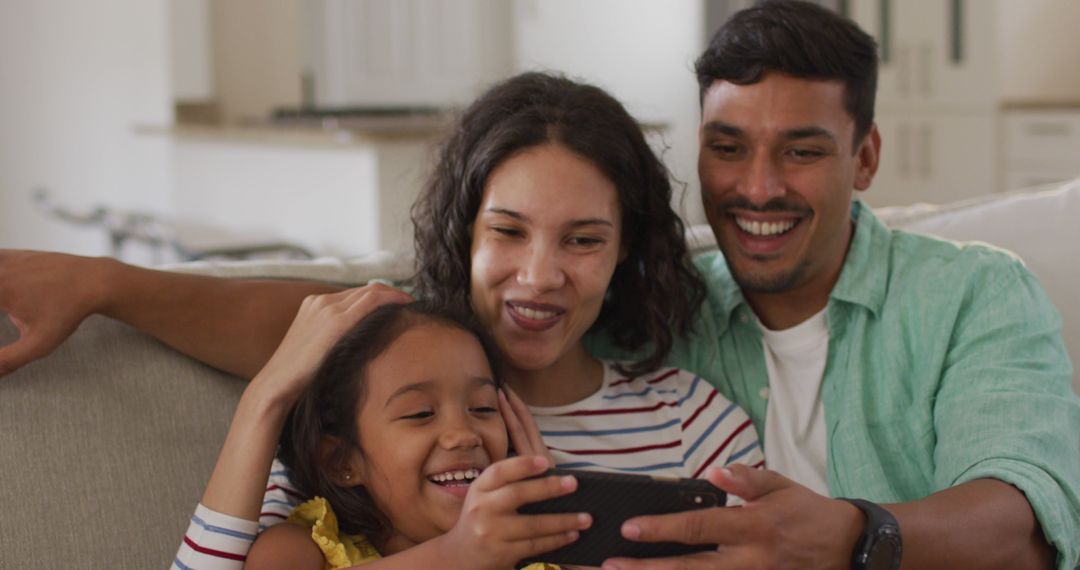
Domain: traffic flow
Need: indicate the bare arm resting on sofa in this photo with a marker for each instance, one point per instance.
(230, 324)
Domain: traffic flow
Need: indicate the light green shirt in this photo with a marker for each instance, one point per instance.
(945, 365)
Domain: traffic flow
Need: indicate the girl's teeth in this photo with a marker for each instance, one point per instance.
(534, 314)
(468, 474)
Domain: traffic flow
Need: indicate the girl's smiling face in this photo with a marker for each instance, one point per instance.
(545, 244)
(428, 425)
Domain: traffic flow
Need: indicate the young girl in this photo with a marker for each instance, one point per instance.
(400, 438)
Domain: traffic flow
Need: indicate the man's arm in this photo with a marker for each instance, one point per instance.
(981, 524)
(233, 325)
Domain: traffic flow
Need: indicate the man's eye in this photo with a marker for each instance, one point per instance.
(805, 153)
(726, 149)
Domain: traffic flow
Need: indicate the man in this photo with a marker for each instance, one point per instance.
(927, 377)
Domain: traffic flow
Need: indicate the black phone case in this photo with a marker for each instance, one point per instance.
(611, 499)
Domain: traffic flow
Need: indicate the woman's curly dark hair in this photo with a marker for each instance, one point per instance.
(654, 292)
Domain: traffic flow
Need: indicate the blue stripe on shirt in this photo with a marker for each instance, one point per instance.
(181, 565)
(739, 454)
(222, 530)
(645, 468)
(708, 431)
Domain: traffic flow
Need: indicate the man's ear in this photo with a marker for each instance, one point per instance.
(867, 158)
(345, 467)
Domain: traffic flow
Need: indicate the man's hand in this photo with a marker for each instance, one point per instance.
(46, 296)
(782, 525)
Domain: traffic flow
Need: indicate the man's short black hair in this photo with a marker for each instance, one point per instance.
(799, 39)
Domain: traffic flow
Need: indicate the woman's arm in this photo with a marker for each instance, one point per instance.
(231, 324)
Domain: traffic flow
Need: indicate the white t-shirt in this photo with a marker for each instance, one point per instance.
(795, 417)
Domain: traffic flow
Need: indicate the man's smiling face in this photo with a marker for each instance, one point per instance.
(778, 163)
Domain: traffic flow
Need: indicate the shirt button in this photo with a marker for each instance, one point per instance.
(744, 318)
(764, 393)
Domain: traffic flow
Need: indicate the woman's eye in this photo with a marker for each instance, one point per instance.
(585, 241)
(505, 231)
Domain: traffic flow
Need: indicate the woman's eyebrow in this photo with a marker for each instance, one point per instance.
(573, 223)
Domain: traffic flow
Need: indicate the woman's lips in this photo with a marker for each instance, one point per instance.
(534, 316)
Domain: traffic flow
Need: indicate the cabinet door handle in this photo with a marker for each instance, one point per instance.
(926, 68)
(926, 151)
(1047, 129)
(904, 156)
(903, 82)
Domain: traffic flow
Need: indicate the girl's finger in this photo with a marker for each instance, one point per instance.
(524, 527)
(521, 441)
(525, 418)
(541, 544)
(502, 473)
(514, 495)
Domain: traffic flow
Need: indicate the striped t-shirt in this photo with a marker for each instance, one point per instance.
(670, 422)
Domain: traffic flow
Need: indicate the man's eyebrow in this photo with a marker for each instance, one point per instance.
(808, 133)
(722, 128)
(414, 387)
(573, 223)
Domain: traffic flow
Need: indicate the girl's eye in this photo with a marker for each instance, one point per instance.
(484, 410)
(419, 415)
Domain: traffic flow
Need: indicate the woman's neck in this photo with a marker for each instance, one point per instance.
(574, 377)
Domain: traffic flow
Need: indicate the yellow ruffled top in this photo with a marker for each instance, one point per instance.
(344, 550)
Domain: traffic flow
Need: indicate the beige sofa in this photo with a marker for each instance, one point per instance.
(105, 445)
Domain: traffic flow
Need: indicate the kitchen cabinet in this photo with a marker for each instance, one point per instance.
(937, 98)
(1041, 145)
(411, 53)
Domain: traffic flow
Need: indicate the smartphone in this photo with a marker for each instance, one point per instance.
(611, 499)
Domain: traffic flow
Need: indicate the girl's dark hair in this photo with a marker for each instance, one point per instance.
(654, 292)
(799, 39)
(330, 405)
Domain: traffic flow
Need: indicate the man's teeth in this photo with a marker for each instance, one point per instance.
(764, 228)
(534, 314)
(466, 475)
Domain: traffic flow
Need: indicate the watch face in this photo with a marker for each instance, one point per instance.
(885, 554)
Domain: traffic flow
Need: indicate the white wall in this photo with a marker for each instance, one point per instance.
(74, 78)
(1039, 51)
(641, 51)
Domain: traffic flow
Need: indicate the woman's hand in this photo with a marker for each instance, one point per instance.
(46, 296)
(491, 534)
(321, 321)
(524, 435)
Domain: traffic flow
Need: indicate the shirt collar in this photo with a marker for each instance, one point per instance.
(864, 279)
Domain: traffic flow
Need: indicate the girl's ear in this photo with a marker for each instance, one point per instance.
(345, 467)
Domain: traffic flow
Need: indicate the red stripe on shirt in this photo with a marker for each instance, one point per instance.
(269, 514)
(212, 552)
(660, 378)
(720, 449)
(698, 411)
(291, 492)
(667, 445)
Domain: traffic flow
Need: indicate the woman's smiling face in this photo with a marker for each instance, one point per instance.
(545, 244)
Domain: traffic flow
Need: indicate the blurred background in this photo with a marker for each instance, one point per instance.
(162, 130)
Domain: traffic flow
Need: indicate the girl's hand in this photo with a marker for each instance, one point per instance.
(321, 321)
(524, 435)
(491, 534)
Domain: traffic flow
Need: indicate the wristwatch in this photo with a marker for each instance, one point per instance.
(880, 547)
